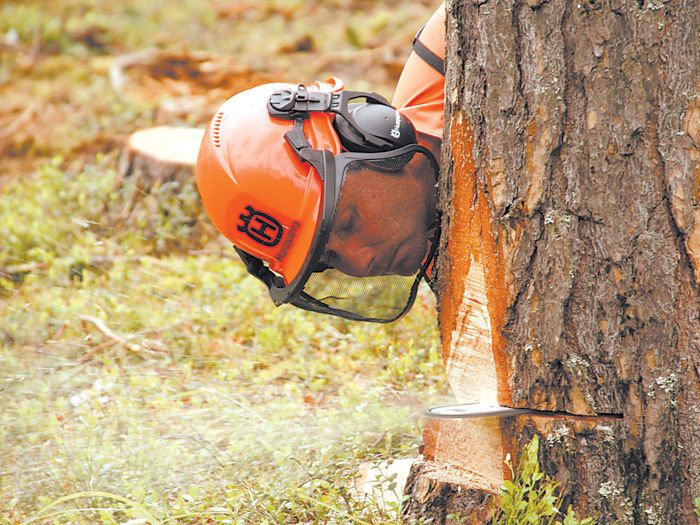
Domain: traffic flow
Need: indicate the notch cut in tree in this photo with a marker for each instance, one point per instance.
(569, 271)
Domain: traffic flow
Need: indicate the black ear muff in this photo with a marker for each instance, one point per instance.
(382, 123)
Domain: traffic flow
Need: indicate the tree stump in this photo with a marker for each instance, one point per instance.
(161, 153)
(157, 183)
(571, 202)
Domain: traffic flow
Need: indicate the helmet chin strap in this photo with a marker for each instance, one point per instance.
(307, 302)
(432, 252)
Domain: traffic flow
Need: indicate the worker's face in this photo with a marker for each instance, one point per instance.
(382, 223)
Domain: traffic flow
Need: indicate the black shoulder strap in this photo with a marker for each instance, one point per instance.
(430, 58)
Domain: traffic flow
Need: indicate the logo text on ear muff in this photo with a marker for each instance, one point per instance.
(260, 227)
(396, 130)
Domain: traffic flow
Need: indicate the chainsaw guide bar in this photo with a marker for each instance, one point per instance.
(473, 410)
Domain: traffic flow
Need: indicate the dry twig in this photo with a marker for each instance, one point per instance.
(102, 327)
(17, 124)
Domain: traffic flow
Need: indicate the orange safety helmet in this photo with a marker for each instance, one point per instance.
(255, 189)
(270, 171)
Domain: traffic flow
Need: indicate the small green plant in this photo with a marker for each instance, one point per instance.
(532, 496)
(697, 508)
(457, 517)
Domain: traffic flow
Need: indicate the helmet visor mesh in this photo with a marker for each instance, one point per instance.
(383, 297)
(378, 298)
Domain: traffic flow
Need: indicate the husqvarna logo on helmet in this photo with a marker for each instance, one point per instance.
(260, 227)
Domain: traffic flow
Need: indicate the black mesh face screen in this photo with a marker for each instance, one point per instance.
(381, 297)
(390, 165)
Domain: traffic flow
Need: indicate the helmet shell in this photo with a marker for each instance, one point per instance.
(254, 188)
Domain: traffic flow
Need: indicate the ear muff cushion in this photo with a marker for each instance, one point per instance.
(350, 138)
(384, 123)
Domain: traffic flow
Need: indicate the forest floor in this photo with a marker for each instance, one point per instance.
(145, 377)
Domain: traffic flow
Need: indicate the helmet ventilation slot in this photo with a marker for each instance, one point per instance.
(216, 131)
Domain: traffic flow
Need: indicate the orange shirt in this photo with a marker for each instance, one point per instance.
(420, 92)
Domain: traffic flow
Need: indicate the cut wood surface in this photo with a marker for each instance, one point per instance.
(157, 177)
(570, 201)
(154, 155)
(167, 144)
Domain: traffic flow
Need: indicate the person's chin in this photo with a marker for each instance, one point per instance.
(406, 261)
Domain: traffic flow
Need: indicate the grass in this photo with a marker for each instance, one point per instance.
(55, 59)
(166, 384)
(145, 375)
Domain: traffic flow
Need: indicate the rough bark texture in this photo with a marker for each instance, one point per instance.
(436, 493)
(572, 136)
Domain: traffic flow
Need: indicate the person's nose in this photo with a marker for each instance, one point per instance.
(352, 259)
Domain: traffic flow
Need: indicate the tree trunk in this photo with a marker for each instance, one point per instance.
(571, 200)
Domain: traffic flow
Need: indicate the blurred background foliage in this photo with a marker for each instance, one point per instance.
(138, 358)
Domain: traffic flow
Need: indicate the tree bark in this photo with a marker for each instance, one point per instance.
(571, 201)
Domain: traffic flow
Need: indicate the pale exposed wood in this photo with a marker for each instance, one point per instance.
(470, 367)
(168, 144)
(157, 154)
(472, 446)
